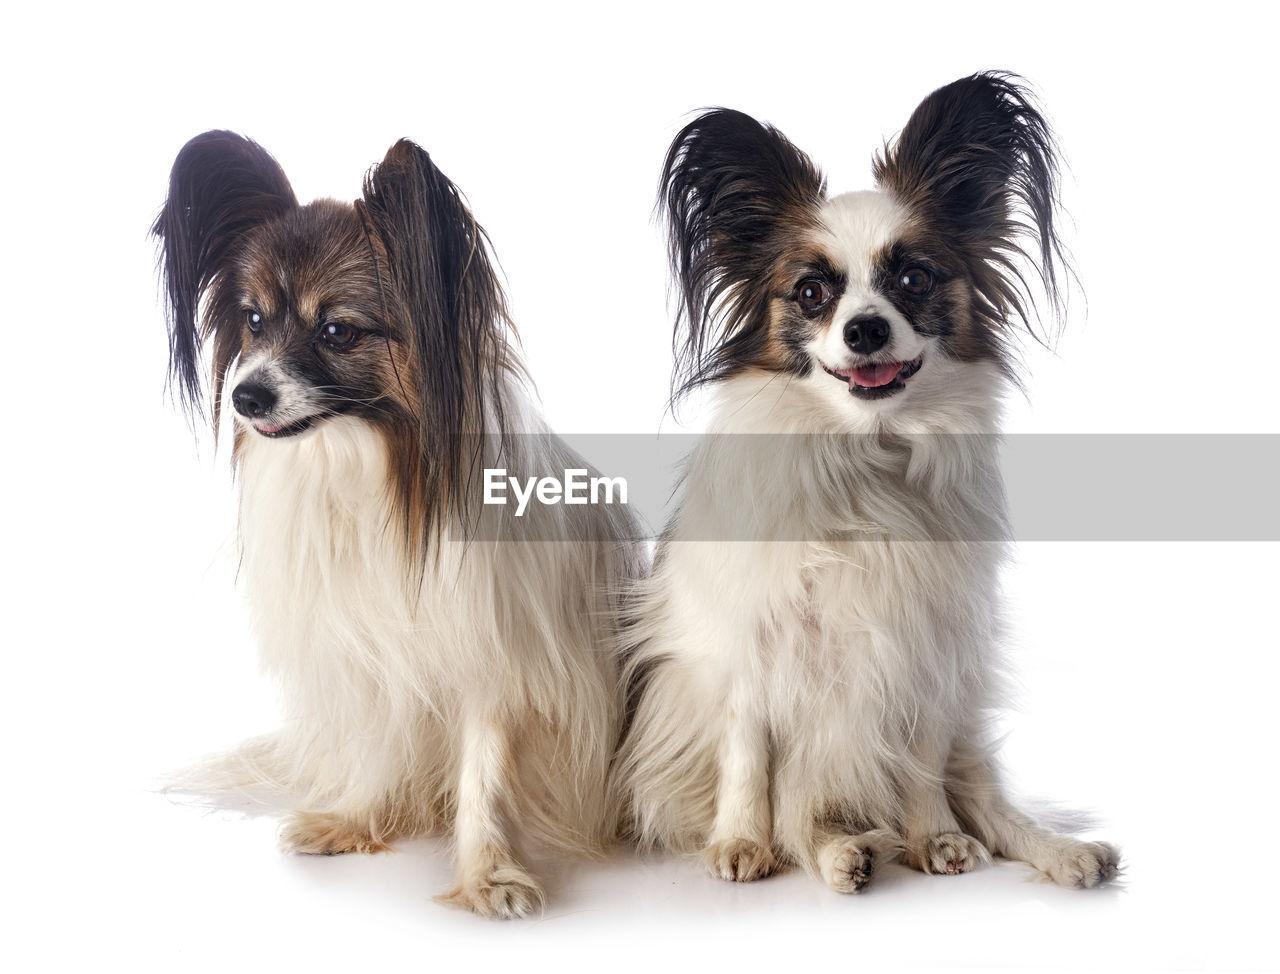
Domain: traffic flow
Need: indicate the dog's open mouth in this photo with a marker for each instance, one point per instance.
(877, 380)
(292, 429)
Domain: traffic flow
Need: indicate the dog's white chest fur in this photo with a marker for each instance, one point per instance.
(323, 565)
(340, 615)
(862, 568)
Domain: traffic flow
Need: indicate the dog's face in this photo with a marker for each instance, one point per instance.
(387, 310)
(860, 306)
(878, 309)
(871, 300)
(314, 339)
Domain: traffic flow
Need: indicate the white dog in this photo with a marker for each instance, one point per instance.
(815, 652)
(437, 676)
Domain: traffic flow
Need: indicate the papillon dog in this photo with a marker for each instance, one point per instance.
(814, 655)
(437, 678)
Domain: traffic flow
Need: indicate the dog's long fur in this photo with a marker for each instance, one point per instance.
(815, 653)
(436, 679)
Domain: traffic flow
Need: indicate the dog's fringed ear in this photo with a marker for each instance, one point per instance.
(222, 185)
(733, 192)
(979, 158)
(447, 297)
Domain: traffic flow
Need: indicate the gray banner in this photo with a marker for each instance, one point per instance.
(922, 488)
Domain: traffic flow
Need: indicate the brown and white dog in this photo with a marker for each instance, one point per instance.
(815, 652)
(436, 678)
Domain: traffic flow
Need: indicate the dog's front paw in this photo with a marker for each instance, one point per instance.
(847, 862)
(738, 860)
(326, 834)
(506, 892)
(846, 866)
(1082, 865)
(947, 854)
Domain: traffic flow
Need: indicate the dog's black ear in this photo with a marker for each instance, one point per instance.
(448, 299)
(734, 192)
(222, 185)
(978, 158)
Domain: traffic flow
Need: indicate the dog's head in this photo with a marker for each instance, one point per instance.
(387, 309)
(869, 298)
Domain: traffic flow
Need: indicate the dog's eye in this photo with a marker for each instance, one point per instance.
(812, 295)
(336, 334)
(254, 321)
(915, 280)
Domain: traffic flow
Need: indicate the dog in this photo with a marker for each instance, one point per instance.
(436, 677)
(813, 660)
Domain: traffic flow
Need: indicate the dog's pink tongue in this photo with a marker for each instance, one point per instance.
(871, 376)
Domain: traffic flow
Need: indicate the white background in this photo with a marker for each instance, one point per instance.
(1148, 672)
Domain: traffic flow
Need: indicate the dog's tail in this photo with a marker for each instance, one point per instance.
(256, 774)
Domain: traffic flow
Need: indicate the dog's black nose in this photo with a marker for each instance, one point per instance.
(866, 333)
(252, 400)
